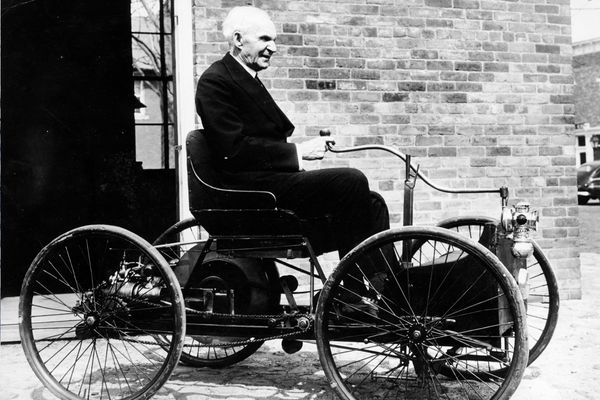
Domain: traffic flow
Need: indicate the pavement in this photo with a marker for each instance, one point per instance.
(568, 369)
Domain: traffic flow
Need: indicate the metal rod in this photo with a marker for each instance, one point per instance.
(414, 169)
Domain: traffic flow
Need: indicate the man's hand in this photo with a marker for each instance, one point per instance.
(314, 149)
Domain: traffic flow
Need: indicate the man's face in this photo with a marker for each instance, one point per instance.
(257, 45)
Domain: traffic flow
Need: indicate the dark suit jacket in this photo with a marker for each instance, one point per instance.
(245, 129)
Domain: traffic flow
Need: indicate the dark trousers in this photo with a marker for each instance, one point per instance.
(342, 195)
(340, 209)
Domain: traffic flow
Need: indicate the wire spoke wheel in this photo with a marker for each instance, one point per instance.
(407, 304)
(181, 244)
(92, 303)
(543, 300)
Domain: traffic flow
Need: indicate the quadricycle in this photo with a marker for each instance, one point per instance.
(458, 312)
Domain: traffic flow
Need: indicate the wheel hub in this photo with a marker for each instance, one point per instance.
(91, 320)
(417, 333)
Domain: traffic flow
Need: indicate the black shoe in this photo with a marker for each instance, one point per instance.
(359, 308)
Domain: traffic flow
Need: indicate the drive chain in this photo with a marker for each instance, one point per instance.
(234, 317)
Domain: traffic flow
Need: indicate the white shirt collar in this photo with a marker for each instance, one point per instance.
(252, 72)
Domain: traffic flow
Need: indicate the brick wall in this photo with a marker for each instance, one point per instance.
(479, 91)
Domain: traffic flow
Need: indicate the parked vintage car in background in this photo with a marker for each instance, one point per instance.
(588, 182)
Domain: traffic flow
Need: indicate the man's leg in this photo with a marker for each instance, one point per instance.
(341, 193)
(356, 212)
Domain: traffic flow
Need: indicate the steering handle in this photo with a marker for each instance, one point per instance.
(325, 133)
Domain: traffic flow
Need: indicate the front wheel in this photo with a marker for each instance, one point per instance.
(92, 304)
(393, 311)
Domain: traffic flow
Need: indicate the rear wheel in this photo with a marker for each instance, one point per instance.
(92, 304)
(392, 337)
(251, 280)
(543, 300)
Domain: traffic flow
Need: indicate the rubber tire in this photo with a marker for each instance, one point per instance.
(419, 235)
(172, 288)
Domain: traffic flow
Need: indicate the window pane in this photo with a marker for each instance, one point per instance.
(150, 95)
(168, 14)
(146, 54)
(145, 16)
(169, 55)
(150, 148)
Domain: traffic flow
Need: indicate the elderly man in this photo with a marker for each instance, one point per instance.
(248, 134)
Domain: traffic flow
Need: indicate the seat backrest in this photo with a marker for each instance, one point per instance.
(205, 187)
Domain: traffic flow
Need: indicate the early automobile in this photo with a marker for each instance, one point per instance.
(464, 308)
(588, 182)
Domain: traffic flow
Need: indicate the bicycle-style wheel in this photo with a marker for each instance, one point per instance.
(92, 303)
(181, 244)
(393, 312)
(543, 300)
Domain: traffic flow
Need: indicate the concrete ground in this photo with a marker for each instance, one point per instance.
(568, 369)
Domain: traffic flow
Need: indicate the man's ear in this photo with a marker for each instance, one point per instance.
(237, 39)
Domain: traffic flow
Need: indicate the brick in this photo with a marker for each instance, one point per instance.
(411, 86)
(363, 140)
(392, 97)
(441, 130)
(364, 9)
(548, 69)
(350, 63)
(428, 140)
(498, 151)
(454, 97)
(365, 74)
(439, 23)
(468, 66)
(440, 65)
(453, 76)
(340, 52)
(364, 119)
(314, 62)
(438, 3)
(495, 46)
(464, 4)
(442, 151)
(395, 119)
(320, 85)
(289, 39)
(381, 64)
(310, 29)
(440, 86)
(303, 73)
(334, 73)
(495, 67)
(302, 96)
(561, 99)
(424, 54)
(351, 85)
(469, 86)
(547, 48)
(558, 19)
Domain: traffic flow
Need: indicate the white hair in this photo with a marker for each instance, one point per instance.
(241, 19)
